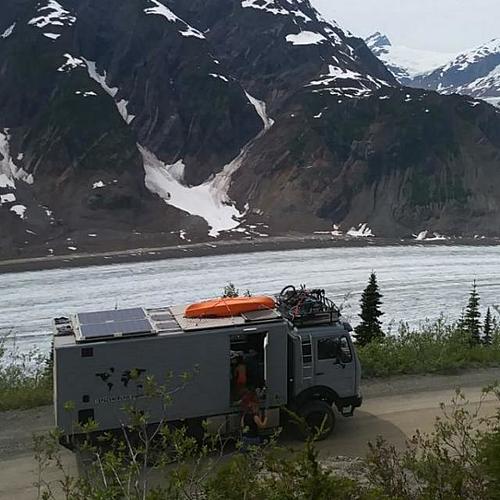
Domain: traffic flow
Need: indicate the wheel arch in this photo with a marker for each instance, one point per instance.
(318, 392)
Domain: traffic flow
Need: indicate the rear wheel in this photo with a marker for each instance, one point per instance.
(318, 418)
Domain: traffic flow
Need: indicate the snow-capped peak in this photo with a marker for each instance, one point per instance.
(378, 41)
(475, 73)
(465, 59)
(405, 63)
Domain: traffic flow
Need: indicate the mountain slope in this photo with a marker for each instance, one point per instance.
(475, 73)
(140, 122)
(405, 63)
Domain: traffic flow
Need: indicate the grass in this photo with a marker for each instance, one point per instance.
(433, 347)
(25, 380)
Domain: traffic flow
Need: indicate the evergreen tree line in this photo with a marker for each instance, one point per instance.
(370, 328)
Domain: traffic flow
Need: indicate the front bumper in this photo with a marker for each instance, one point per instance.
(346, 406)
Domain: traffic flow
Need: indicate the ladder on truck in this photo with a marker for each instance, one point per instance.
(307, 359)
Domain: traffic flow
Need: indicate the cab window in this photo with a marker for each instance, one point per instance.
(334, 348)
(327, 348)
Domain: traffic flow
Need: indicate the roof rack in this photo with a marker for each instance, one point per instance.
(307, 307)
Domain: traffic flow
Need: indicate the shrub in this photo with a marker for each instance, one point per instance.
(25, 381)
(452, 462)
(433, 347)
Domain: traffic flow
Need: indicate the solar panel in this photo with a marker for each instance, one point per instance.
(116, 323)
(114, 315)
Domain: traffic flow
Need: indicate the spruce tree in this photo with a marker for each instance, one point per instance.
(472, 325)
(488, 328)
(369, 329)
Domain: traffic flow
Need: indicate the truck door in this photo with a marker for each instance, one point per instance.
(335, 367)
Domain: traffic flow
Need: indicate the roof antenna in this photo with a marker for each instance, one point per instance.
(116, 304)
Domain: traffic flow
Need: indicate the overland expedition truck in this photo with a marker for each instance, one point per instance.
(298, 355)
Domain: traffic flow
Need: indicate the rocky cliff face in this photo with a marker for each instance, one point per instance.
(125, 123)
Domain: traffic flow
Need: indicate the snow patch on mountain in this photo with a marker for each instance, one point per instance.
(273, 7)
(216, 75)
(8, 31)
(7, 198)
(261, 108)
(269, 6)
(208, 200)
(346, 83)
(122, 104)
(429, 236)
(9, 171)
(306, 38)
(333, 35)
(362, 231)
(160, 9)
(484, 85)
(52, 15)
(494, 101)
(299, 14)
(71, 63)
(19, 210)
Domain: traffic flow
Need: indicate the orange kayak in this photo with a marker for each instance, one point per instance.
(227, 307)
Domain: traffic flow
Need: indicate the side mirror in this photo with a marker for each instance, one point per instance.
(343, 352)
(345, 357)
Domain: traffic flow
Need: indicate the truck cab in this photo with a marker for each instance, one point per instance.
(324, 367)
(323, 364)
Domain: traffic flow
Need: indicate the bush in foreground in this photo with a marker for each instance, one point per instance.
(458, 460)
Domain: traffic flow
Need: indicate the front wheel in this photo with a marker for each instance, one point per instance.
(318, 420)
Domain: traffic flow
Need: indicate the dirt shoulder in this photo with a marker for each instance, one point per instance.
(411, 384)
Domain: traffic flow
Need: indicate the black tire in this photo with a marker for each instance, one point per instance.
(317, 416)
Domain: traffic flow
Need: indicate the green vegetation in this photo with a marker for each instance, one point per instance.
(471, 321)
(370, 328)
(458, 459)
(433, 347)
(230, 292)
(25, 380)
(488, 328)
